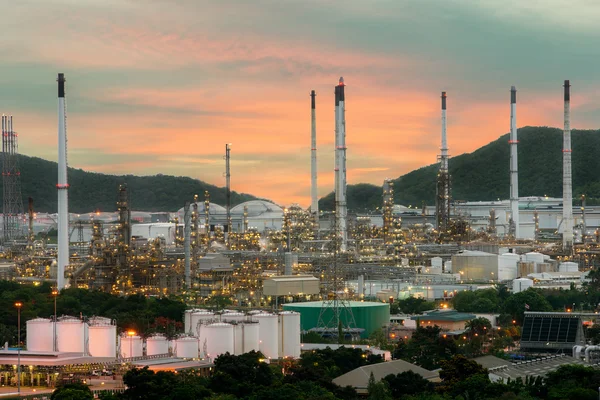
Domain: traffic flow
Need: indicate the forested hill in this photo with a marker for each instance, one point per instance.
(91, 191)
(484, 174)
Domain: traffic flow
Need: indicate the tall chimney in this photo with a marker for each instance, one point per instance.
(514, 165)
(187, 239)
(228, 193)
(63, 187)
(567, 182)
(340, 169)
(314, 207)
(443, 180)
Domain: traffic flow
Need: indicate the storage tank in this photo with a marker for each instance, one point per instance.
(521, 284)
(201, 317)
(40, 335)
(568, 267)
(525, 268)
(507, 266)
(131, 346)
(545, 267)
(219, 339)
(157, 344)
(187, 319)
(289, 334)
(70, 333)
(534, 256)
(245, 337)
(448, 266)
(102, 340)
(186, 347)
(233, 317)
(267, 334)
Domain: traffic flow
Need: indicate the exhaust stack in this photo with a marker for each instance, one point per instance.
(314, 207)
(514, 165)
(340, 165)
(567, 175)
(62, 187)
(443, 180)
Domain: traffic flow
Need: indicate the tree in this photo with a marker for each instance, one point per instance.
(515, 305)
(478, 326)
(458, 369)
(72, 391)
(426, 348)
(415, 305)
(407, 383)
(377, 390)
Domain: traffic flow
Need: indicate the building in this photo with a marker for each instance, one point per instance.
(552, 331)
(448, 320)
(291, 285)
(476, 266)
(214, 274)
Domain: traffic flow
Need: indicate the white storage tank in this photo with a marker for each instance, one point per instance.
(507, 266)
(534, 257)
(70, 333)
(102, 340)
(199, 317)
(245, 337)
(233, 317)
(521, 284)
(568, 267)
(131, 346)
(157, 344)
(219, 339)
(289, 334)
(187, 319)
(40, 335)
(448, 267)
(267, 334)
(186, 347)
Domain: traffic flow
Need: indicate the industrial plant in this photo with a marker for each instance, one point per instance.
(287, 270)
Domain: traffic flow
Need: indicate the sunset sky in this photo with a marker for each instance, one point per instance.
(160, 86)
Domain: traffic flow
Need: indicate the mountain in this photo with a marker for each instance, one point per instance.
(484, 173)
(90, 191)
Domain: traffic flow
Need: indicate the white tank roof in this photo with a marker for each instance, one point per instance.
(257, 208)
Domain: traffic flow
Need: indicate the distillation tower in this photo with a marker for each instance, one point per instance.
(12, 205)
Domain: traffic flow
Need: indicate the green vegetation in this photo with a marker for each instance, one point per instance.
(91, 191)
(484, 174)
(142, 314)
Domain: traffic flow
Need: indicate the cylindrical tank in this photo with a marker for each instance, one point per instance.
(187, 320)
(289, 334)
(525, 268)
(245, 337)
(568, 267)
(157, 344)
(102, 338)
(534, 257)
(507, 266)
(233, 317)
(544, 267)
(198, 318)
(219, 339)
(448, 266)
(267, 334)
(186, 347)
(131, 346)
(521, 284)
(70, 333)
(40, 335)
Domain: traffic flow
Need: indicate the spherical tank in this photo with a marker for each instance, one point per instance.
(219, 339)
(233, 316)
(186, 347)
(245, 337)
(70, 335)
(156, 345)
(131, 346)
(200, 317)
(102, 340)
(40, 334)
(267, 334)
(289, 334)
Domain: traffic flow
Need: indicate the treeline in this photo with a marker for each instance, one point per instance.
(91, 191)
(143, 314)
(484, 173)
(247, 377)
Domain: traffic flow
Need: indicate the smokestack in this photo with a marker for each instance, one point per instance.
(187, 238)
(567, 182)
(443, 180)
(340, 168)
(228, 189)
(444, 149)
(314, 207)
(30, 230)
(514, 165)
(62, 187)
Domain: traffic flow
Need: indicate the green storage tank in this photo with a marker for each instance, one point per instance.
(369, 316)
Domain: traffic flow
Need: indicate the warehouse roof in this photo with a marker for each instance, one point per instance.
(444, 315)
(359, 377)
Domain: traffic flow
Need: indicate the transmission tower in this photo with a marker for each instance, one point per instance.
(336, 318)
(12, 206)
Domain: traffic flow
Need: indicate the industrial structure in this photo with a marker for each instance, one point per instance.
(62, 186)
(341, 209)
(12, 204)
(443, 180)
(314, 194)
(567, 223)
(515, 230)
